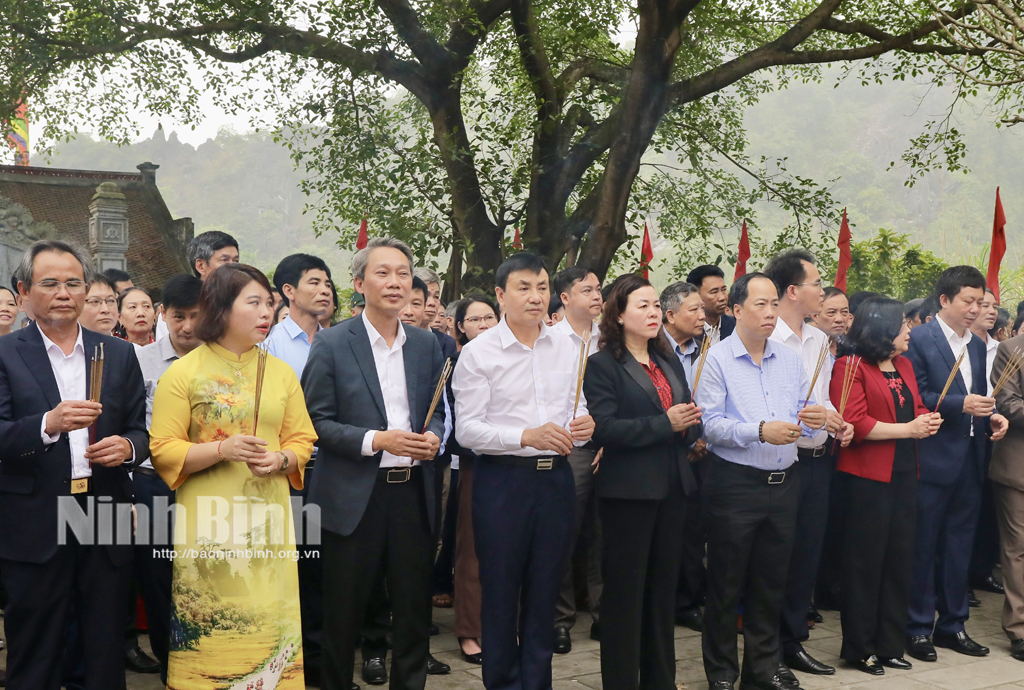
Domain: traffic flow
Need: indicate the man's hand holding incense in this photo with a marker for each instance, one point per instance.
(407, 444)
(813, 416)
(582, 428)
(979, 405)
(550, 437)
(72, 415)
(110, 452)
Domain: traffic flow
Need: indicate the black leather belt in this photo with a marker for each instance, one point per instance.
(765, 476)
(148, 471)
(819, 452)
(546, 462)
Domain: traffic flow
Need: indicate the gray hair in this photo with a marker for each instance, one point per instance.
(672, 297)
(362, 257)
(427, 275)
(204, 245)
(26, 269)
(452, 307)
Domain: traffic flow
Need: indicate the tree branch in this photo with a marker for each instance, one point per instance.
(408, 27)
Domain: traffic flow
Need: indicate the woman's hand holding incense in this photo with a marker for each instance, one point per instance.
(682, 417)
(243, 448)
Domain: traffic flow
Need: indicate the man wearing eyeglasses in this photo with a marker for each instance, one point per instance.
(99, 313)
(62, 452)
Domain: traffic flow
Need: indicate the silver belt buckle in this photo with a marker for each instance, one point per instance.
(819, 451)
(545, 463)
(400, 475)
(776, 477)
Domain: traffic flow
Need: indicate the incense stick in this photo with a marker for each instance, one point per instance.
(261, 368)
(705, 345)
(849, 376)
(581, 372)
(95, 384)
(817, 370)
(952, 375)
(438, 392)
(1013, 365)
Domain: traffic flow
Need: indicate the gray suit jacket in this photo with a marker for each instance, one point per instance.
(344, 399)
(1007, 466)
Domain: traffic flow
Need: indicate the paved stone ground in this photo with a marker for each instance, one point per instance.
(580, 669)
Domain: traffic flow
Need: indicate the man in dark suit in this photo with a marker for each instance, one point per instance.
(710, 282)
(431, 307)
(49, 468)
(368, 384)
(951, 465)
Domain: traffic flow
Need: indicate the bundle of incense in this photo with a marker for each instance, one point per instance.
(952, 375)
(438, 392)
(705, 345)
(95, 384)
(849, 375)
(261, 370)
(1009, 371)
(581, 371)
(822, 356)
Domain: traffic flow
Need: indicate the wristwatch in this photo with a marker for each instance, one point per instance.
(285, 457)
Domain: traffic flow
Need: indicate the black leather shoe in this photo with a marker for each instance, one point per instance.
(921, 648)
(774, 684)
(355, 687)
(869, 666)
(802, 661)
(692, 620)
(972, 601)
(595, 631)
(896, 662)
(477, 658)
(787, 677)
(435, 667)
(989, 584)
(374, 671)
(1017, 649)
(721, 685)
(813, 615)
(434, 630)
(140, 662)
(960, 643)
(563, 643)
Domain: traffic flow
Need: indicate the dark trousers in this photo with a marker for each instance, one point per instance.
(391, 543)
(311, 603)
(985, 553)
(811, 520)
(154, 574)
(693, 578)
(467, 567)
(35, 619)
(827, 587)
(444, 566)
(376, 624)
(946, 519)
(587, 526)
(878, 556)
(522, 521)
(750, 539)
(643, 548)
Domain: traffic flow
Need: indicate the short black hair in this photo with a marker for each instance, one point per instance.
(787, 268)
(418, 284)
(858, 298)
(116, 275)
(567, 277)
(554, 304)
(875, 325)
(929, 308)
(291, 269)
(181, 292)
(523, 261)
(1002, 319)
(698, 274)
(832, 291)
(740, 289)
(99, 278)
(1017, 323)
(956, 278)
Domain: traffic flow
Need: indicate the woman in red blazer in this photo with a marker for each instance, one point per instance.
(880, 467)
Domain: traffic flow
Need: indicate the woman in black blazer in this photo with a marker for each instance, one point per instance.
(637, 394)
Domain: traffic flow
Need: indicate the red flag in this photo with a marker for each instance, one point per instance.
(646, 253)
(844, 254)
(517, 243)
(742, 254)
(363, 238)
(995, 255)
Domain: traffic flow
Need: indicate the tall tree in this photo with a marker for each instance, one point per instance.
(449, 122)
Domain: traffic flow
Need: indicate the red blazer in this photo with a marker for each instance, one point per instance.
(870, 402)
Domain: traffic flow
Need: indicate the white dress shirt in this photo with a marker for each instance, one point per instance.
(808, 345)
(69, 371)
(390, 365)
(713, 332)
(502, 388)
(957, 344)
(991, 345)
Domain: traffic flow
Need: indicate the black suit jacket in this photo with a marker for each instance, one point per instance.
(447, 343)
(32, 475)
(344, 400)
(639, 444)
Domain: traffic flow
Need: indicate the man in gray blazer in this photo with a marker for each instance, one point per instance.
(368, 383)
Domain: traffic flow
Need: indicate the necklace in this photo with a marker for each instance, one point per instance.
(237, 366)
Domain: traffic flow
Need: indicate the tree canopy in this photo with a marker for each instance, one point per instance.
(450, 122)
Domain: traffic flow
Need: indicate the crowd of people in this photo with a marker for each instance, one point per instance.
(725, 458)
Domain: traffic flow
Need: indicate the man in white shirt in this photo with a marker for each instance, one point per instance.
(369, 382)
(580, 293)
(516, 407)
(800, 298)
(49, 462)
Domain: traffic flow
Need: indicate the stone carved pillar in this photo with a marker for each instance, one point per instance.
(108, 227)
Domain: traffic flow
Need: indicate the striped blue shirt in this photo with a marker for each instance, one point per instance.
(736, 395)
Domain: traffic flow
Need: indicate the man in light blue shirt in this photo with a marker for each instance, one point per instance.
(305, 284)
(753, 395)
(684, 320)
